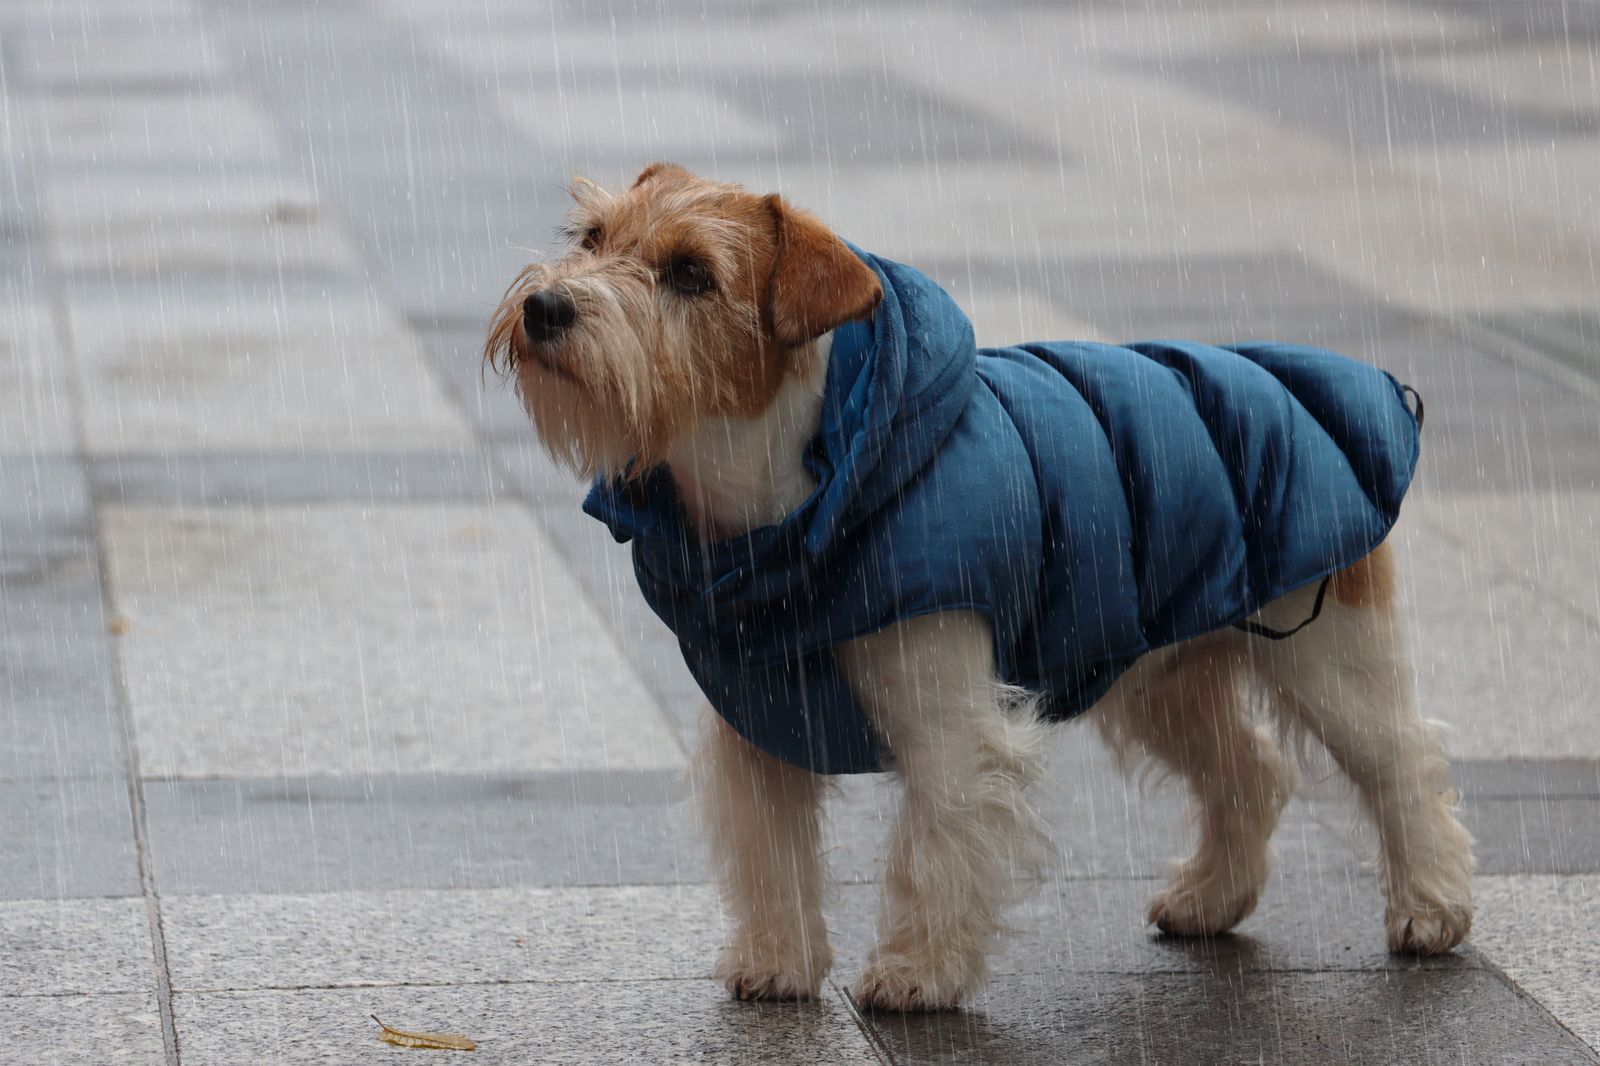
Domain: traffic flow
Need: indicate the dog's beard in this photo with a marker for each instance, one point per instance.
(610, 397)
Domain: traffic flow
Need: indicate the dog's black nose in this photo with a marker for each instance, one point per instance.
(547, 314)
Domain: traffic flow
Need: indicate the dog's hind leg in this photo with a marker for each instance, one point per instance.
(1345, 679)
(967, 841)
(764, 822)
(1183, 708)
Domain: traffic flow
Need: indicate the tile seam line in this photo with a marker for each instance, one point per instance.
(566, 886)
(1477, 965)
(1492, 968)
(130, 741)
(383, 286)
(875, 1041)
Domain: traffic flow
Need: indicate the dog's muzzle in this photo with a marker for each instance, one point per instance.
(547, 315)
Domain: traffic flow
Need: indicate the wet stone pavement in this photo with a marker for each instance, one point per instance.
(319, 698)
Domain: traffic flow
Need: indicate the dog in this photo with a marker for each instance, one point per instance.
(681, 350)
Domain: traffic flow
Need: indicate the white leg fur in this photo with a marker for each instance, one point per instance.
(1346, 680)
(1183, 709)
(763, 818)
(967, 841)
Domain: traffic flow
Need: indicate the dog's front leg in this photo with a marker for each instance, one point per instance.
(967, 841)
(763, 818)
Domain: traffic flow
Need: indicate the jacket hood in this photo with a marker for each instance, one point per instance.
(885, 414)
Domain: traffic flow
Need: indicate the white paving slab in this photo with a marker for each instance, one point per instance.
(1021, 314)
(169, 128)
(74, 947)
(156, 247)
(641, 122)
(246, 368)
(340, 639)
(212, 222)
(462, 936)
(1008, 211)
(35, 395)
(1503, 602)
(1541, 932)
(514, 51)
(1561, 78)
(97, 13)
(117, 1030)
(514, 1025)
(1153, 167)
(99, 198)
(141, 53)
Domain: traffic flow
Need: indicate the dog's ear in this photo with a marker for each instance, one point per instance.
(817, 282)
(658, 168)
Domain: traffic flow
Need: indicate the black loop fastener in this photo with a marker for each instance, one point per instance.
(1409, 391)
(1256, 629)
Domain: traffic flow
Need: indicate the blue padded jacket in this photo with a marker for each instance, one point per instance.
(1094, 501)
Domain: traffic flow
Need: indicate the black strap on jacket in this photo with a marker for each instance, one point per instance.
(1413, 393)
(1256, 629)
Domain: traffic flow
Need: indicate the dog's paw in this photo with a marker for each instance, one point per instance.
(1201, 905)
(894, 982)
(1426, 928)
(749, 973)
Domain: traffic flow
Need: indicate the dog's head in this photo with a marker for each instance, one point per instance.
(678, 300)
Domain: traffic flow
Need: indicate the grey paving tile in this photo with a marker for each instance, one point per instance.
(1544, 542)
(504, 41)
(1536, 929)
(118, 1030)
(205, 223)
(447, 240)
(365, 833)
(1074, 929)
(244, 367)
(159, 247)
(264, 479)
(605, 569)
(472, 830)
(1535, 835)
(36, 408)
(490, 402)
(1485, 779)
(74, 947)
(58, 708)
(602, 565)
(757, 117)
(67, 838)
(1537, 22)
(351, 640)
(180, 191)
(660, 1021)
(1288, 1018)
(1550, 76)
(1217, 297)
(596, 124)
(159, 55)
(79, 14)
(116, 128)
(1363, 100)
(1504, 652)
(477, 936)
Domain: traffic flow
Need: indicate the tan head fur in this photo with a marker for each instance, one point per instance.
(679, 299)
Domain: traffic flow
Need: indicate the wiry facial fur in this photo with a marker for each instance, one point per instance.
(644, 364)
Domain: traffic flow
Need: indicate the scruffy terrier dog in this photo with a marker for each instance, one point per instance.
(686, 351)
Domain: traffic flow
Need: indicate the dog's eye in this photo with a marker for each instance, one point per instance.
(589, 239)
(690, 276)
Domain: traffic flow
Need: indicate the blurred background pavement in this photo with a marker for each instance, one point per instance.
(320, 698)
